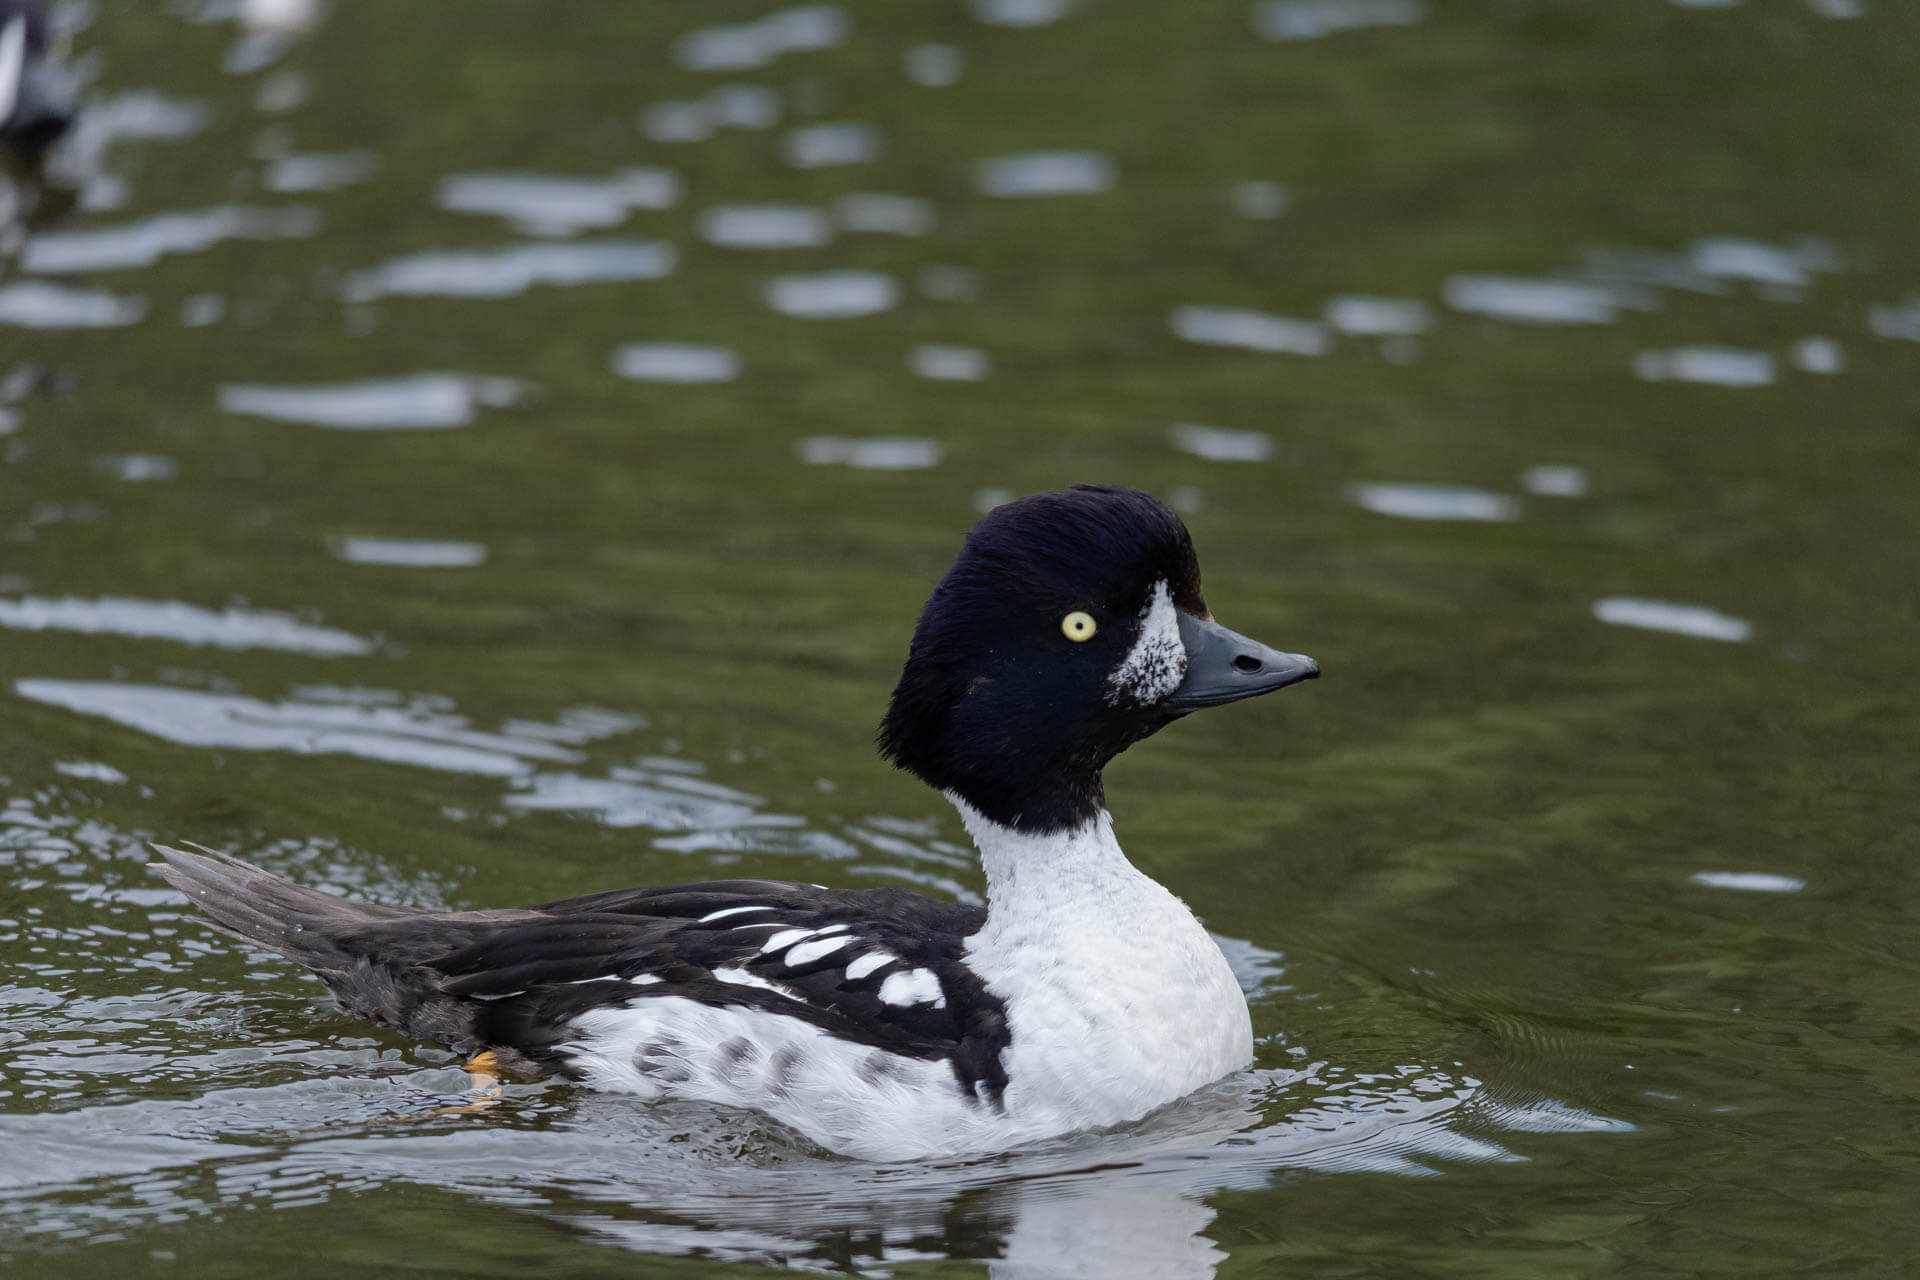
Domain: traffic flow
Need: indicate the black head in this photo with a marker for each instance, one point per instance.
(1071, 626)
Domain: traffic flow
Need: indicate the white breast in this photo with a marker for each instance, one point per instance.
(1117, 999)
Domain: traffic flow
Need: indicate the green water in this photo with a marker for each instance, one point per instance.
(1515, 1018)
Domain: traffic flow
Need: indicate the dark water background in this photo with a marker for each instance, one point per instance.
(1577, 904)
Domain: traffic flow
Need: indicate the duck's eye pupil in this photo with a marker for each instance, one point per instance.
(1078, 626)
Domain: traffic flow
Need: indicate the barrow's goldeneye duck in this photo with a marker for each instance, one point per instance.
(879, 1023)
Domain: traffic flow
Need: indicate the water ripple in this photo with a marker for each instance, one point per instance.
(506, 273)
(415, 402)
(143, 243)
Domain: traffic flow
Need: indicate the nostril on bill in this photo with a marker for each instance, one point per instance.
(1247, 664)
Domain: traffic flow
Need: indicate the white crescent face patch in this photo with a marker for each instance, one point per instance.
(1157, 663)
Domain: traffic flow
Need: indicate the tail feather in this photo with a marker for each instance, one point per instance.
(256, 906)
(339, 940)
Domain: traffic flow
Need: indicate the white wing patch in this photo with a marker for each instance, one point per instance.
(784, 939)
(724, 912)
(808, 952)
(861, 966)
(1158, 661)
(913, 986)
(746, 978)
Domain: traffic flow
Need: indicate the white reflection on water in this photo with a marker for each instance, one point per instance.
(1367, 316)
(1019, 13)
(1434, 502)
(744, 106)
(833, 294)
(1716, 366)
(415, 553)
(41, 304)
(1252, 330)
(765, 226)
(1817, 355)
(639, 797)
(1261, 200)
(199, 310)
(1665, 615)
(675, 362)
(950, 364)
(749, 45)
(136, 467)
(143, 243)
(1896, 319)
(944, 283)
(1287, 20)
(89, 771)
(1035, 174)
(1757, 262)
(1531, 300)
(372, 724)
(822, 146)
(505, 273)
(415, 402)
(552, 205)
(233, 628)
(882, 213)
(320, 172)
(871, 453)
(1555, 481)
(1221, 444)
(677, 122)
(935, 66)
(1749, 881)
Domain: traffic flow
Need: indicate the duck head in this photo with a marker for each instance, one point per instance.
(1071, 626)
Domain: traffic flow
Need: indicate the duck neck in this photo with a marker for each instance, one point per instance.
(1062, 877)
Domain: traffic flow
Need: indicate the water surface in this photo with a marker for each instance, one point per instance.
(462, 456)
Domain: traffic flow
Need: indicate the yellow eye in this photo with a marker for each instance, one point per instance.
(1078, 626)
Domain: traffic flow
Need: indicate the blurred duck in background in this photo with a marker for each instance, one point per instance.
(39, 96)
